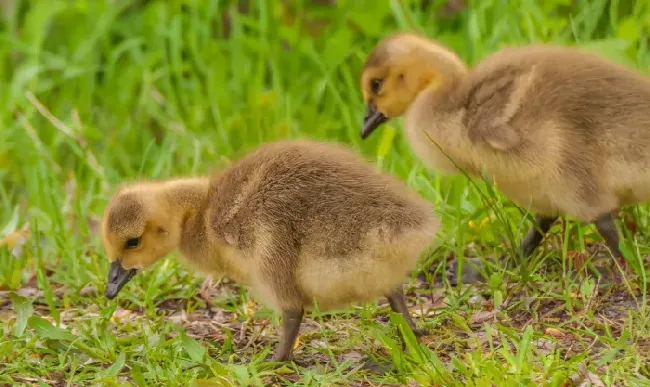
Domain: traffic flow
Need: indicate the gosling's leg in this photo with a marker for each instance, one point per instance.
(606, 225)
(398, 305)
(535, 235)
(291, 320)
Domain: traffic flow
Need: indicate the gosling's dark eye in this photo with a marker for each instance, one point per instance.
(375, 85)
(132, 243)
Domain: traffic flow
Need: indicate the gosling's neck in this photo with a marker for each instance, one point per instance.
(189, 195)
(438, 114)
(445, 66)
(188, 198)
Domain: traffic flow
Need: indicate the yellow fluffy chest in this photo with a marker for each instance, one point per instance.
(439, 143)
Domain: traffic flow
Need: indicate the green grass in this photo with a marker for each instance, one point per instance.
(95, 92)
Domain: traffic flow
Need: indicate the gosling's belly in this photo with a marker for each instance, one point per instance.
(339, 282)
(534, 197)
(560, 198)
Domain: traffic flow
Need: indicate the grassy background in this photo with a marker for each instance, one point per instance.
(94, 92)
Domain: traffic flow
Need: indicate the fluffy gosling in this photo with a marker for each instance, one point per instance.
(559, 130)
(297, 221)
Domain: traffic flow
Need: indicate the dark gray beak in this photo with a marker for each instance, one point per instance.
(117, 278)
(371, 121)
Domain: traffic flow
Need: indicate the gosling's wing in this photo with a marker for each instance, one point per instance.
(493, 100)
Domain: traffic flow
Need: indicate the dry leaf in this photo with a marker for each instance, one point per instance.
(297, 343)
(15, 240)
(176, 318)
(430, 306)
(476, 300)
(354, 356)
(25, 291)
(427, 339)
(120, 316)
(88, 290)
(482, 316)
(554, 332)
(543, 345)
(204, 291)
(586, 378)
(578, 257)
(249, 308)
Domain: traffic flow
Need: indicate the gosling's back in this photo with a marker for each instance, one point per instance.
(315, 191)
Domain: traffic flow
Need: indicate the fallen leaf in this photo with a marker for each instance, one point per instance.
(88, 290)
(121, 316)
(249, 308)
(543, 345)
(482, 316)
(297, 343)
(476, 300)
(353, 356)
(430, 306)
(15, 237)
(15, 240)
(318, 343)
(554, 332)
(27, 291)
(427, 339)
(578, 258)
(586, 378)
(204, 291)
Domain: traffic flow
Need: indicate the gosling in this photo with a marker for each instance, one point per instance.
(560, 131)
(297, 221)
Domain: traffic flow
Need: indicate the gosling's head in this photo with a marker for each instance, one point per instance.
(138, 228)
(400, 67)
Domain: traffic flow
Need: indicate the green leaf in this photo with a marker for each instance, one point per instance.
(23, 308)
(241, 373)
(386, 141)
(137, 376)
(506, 353)
(193, 348)
(115, 369)
(211, 383)
(524, 346)
(629, 30)
(460, 322)
(48, 331)
(409, 337)
(587, 287)
(498, 299)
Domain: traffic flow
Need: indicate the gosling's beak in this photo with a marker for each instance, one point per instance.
(117, 278)
(371, 121)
